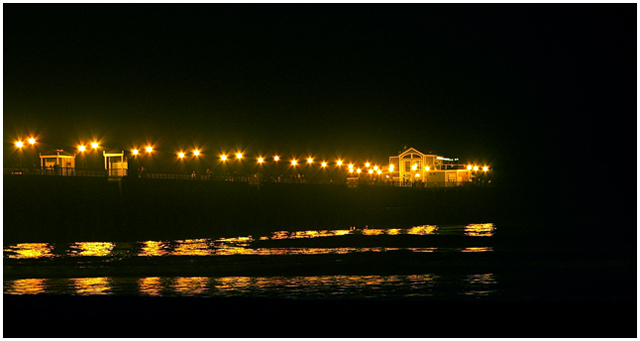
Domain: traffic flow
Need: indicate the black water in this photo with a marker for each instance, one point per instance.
(420, 281)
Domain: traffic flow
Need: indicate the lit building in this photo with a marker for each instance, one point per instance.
(413, 165)
(115, 163)
(62, 162)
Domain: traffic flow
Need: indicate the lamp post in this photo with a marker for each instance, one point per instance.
(95, 146)
(426, 178)
(223, 158)
(19, 144)
(81, 149)
(32, 143)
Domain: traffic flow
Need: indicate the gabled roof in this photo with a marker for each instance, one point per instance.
(56, 152)
(413, 150)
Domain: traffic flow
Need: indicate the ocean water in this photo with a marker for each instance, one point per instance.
(362, 267)
(461, 280)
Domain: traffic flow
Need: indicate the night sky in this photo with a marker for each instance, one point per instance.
(525, 88)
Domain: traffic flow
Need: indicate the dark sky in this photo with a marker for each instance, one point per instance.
(517, 86)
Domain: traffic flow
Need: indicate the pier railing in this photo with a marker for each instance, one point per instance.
(255, 179)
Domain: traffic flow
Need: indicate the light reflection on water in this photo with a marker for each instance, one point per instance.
(29, 250)
(95, 249)
(242, 245)
(91, 286)
(314, 287)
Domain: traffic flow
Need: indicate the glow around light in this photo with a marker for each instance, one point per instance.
(260, 160)
(475, 168)
(358, 171)
(294, 162)
(19, 144)
(181, 155)
(82, 148)
(149, 149)
(370, 171)
(414, 167)
(239, 156)
(196, 152)
(134, 152)
(485, 168)
(351, 166)
(417, 175)
(367, 164)
(379, 172)
(469, 167)
(223, 157)
(324, 164)
(32, 141)
(276, 158)
(339, 163)
(94, 145)
(391, 167)
(426, 168)
(309, 160)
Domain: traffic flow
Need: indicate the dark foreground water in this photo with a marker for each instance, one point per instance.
(425, 281)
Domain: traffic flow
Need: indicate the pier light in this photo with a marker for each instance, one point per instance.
(469, 167)
(324, 164)
(81, 148)
(367, 164)
(276, 158)
(339, 163)
(309, 160)
(94, 145)
(426, 168)
(239, 156)
(351, 166)
(414, 167)
(223, 157)
(134, 152)
(379, 172)
(196, 152)
(485, 168)
(370, 171)
(181, 155)
(19, 144)
(294, 162)
(358, 171)
(375, 168)
(32, 141)
(351, 170)
(149, 149)
(475, 168)
(260, 160)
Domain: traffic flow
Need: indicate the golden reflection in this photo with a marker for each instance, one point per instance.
(26, 286)
(422, 230)
(236, 240)
(235, 250)
(187, 286)
(95, 249)
(150, 286)
(152, 248)
(393, 232)
(193, 247)
(422, 249)
(371, 232)
(305, 234)
(91, 285)
(478, 249)
(479, 230)
(30, 250)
